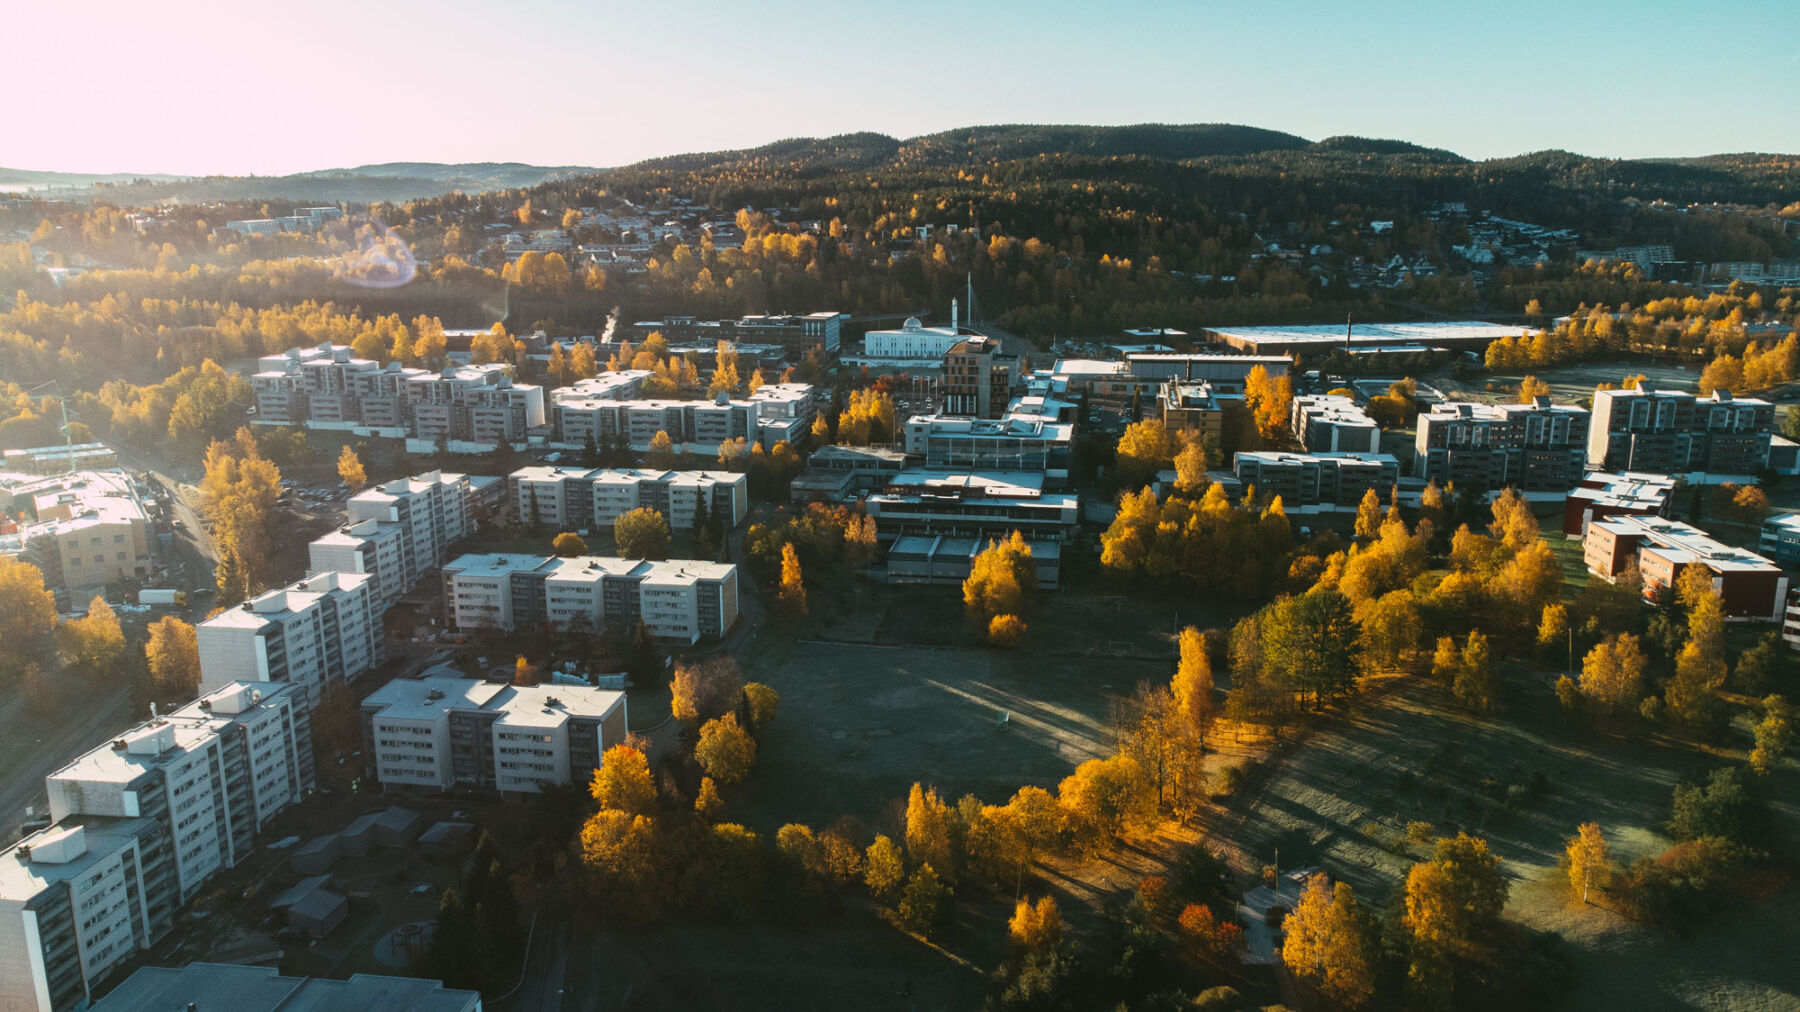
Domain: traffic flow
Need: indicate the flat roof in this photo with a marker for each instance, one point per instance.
(1285, 457)
(213, 987)
(1683, 543)
(1372, 333)
(21, 878)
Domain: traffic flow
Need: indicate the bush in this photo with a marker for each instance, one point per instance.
(1218, 999)
(1420, 831)
(1005, 631)
(1229, 781)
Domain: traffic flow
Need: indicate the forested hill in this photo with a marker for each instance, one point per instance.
(363, 184)
(967, 145)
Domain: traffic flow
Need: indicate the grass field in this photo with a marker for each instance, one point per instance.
(1344, 798)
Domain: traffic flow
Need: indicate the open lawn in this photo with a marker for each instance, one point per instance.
(859, 724)
(1344, 796)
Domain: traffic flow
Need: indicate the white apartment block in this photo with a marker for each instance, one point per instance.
(433, 511)
(328, 387)
(76, 901)
(578, 498)
(321, 631)
(212, 774)
(435, 733)
(784, 413)
(679, 601)
(1333, 423)
(473, 403)
(699, 426)
(372, 547)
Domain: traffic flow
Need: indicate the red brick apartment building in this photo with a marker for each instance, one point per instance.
(1754, 588)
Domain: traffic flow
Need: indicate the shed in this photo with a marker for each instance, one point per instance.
(320, 912)
(316, 855)
(299, 891)
(397, 827)
(355, 839)
(445, 839)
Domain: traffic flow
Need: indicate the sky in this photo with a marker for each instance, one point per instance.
(234, 87)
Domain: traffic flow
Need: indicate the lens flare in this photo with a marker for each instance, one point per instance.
(381, 258)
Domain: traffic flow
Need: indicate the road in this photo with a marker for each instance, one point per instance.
(32, 748)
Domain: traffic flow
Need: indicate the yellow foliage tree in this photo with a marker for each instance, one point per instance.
(1000, 581)
(623, 782)
(350, 470)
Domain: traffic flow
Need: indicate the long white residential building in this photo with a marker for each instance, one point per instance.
(141, 823)
(321, 631)
(435, 733)
(212, 773)
(571, 498)
(397, 532)
(777, 412)
(678, 600)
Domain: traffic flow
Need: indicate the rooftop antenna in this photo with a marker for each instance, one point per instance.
(1347, 325)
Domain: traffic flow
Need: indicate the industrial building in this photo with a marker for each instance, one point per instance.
(226, 986)
(434, 733)
(1323, 339)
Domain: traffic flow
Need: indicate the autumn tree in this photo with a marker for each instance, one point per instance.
(1773, 735)
(350, 469)
(1192, 686)
(1268, 400)
(1005, 631)
(1331, 943)
(1612, 675)
(791, 597)
(27, 610)
(662, 451)
(642, 533)
(1391, 627)
(1474, 684)
(1368, 515)
(860, 544)
(623, 782)
(1452, 900)
(1531, 388)
(1145, 448)
(725, 750)
(173, 655)
(707, 803)
(1001, 579)
(1106, 798)
(1309, 644)
(238, 492)
(760, 705)
(95, 640)
(925, 902)
(1035, 927)
(526, 673)
(581, 362)
(929, 823)
(1589, 859)
(706, 689)
(885, 872)
(568, 545)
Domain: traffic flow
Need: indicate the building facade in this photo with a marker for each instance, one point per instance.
(571, 498)
(90, 528)
(1536, 447)
(973, 504)
(1601, 495)
(678, 601)
(434, 733)
(1754, 589)
(978, 378)
(1318, 479)
(1010, 443)
(1332, 423)
(322, 631)
(1676, 432)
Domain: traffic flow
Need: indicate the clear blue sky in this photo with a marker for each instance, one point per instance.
(240, 86)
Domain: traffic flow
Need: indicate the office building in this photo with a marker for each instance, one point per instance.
(677, 600)
(1780, 539)
(211, 775)
(946, 559)
(833, 472)
(91, 528)
(571, 498)
(914, 344)
(1010, 443)
(1676, 432)
(319, 632)
(1332, 423)
(796, 335)
(1536, 447)
(1318, 479)
(227, 986)
(434, 733)
(978, 378)
(1601, 495)
(1185, 404)
(974, 504)
(59, 459)
(1225, 373)
(76, 901)
(1754, 589)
